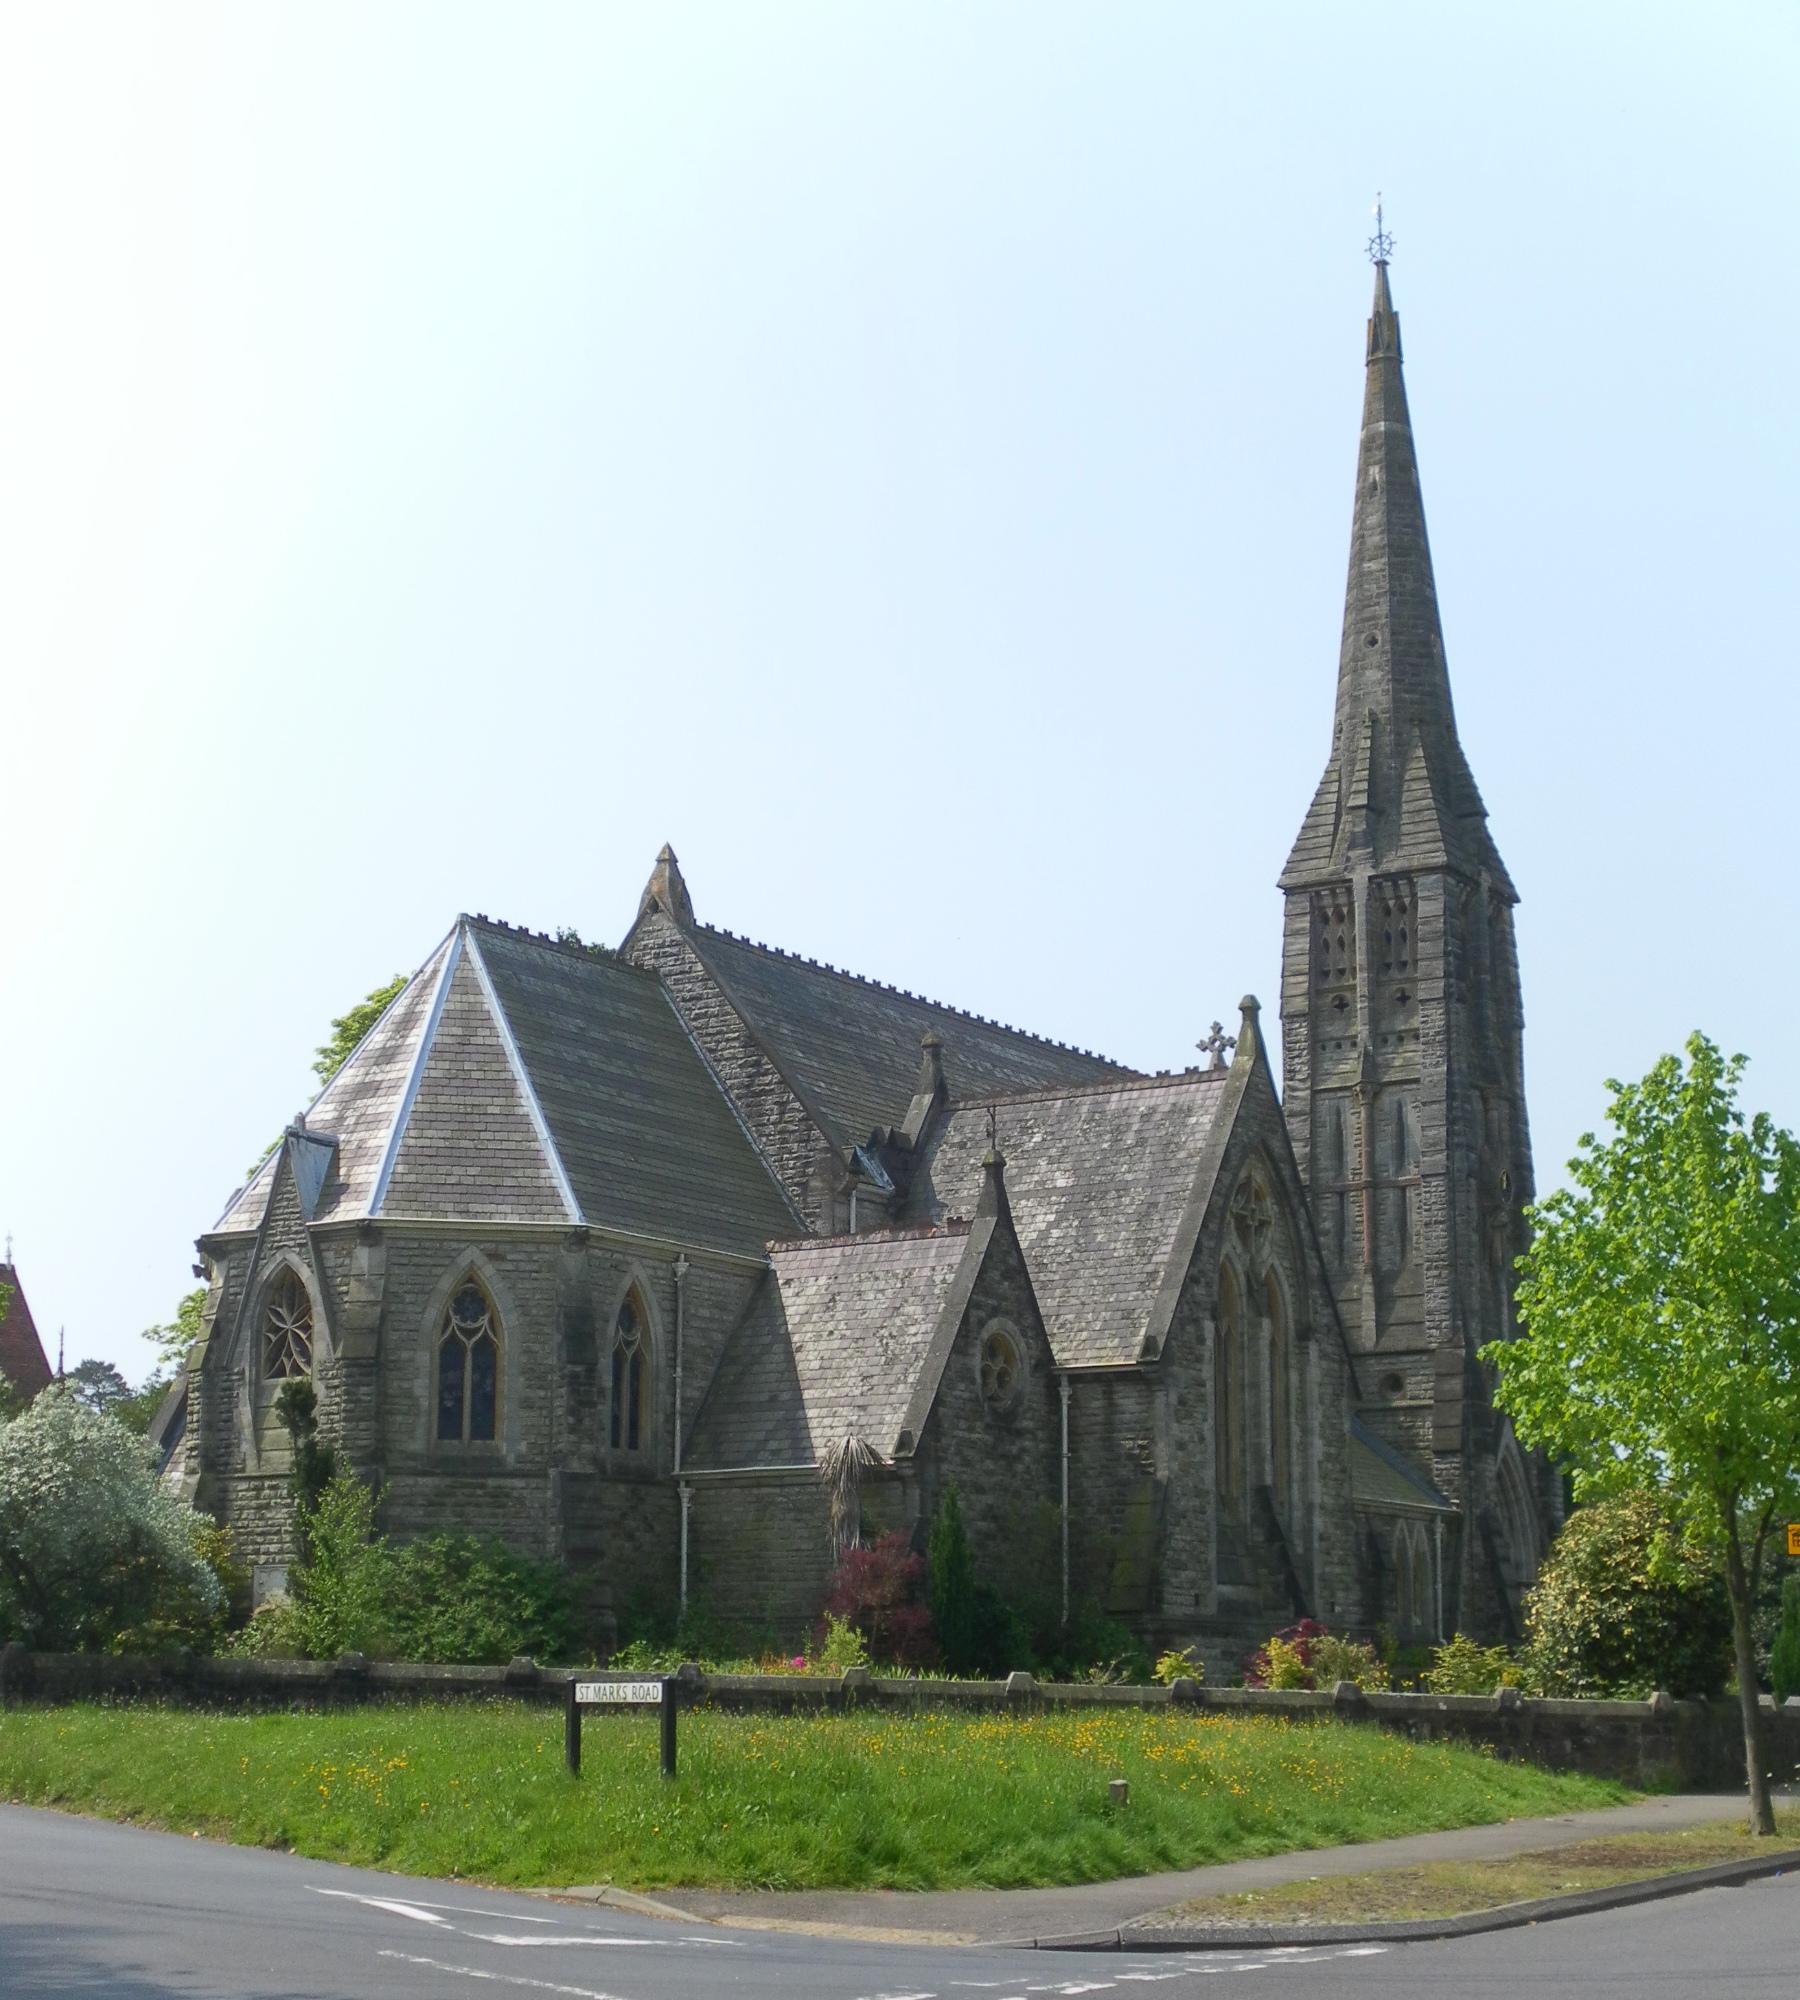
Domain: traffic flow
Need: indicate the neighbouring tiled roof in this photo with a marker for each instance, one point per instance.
(836, 1345)
(609, 1115)
(1380, 1477)
(22, 1358)
(852, 1045)
(1100, 1183)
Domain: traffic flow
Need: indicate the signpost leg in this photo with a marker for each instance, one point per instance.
(572, 1731)
(668, 1728)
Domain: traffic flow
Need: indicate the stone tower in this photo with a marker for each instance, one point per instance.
(1401, 1030)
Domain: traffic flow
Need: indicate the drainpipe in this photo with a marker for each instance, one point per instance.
(1062, 1383)
(682, 1267)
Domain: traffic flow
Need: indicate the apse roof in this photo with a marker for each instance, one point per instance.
(517, 1078)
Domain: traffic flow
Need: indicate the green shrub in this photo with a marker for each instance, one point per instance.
(1335, 1659)
(1185, 1664)
(1625, 1604)
(449, 1600)
(1462, 1667)
(1784, 1657)
(840, 1646)
(95, 1552)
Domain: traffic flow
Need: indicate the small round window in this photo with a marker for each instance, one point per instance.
(1002, 1366)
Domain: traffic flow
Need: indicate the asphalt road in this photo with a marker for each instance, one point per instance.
(90, 1909)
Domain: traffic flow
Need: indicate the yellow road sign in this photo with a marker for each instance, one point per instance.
(1794, 1538)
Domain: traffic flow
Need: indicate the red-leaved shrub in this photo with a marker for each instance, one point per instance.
(878, 1589)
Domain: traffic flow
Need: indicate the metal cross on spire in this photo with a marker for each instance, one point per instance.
(1381, 244)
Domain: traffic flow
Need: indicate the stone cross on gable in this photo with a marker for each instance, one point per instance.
(1215, 1045)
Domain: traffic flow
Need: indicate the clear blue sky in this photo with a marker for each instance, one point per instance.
(901, 455)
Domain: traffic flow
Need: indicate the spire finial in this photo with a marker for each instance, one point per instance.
(1381, 244)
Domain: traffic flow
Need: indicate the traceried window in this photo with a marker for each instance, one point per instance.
(287, 1329)
(1002, 1366)
(630, 1378)
(468, 1402)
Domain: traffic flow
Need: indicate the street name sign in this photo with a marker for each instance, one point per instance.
(592, 1693)
(580, 1696)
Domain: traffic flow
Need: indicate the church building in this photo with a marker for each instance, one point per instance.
(691, 1262)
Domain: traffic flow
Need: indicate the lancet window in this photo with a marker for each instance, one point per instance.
(630, 1378)
(1228, 1379)
(468, 1401)
(1281, 1393)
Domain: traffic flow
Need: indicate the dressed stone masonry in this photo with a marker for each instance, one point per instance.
(612, 1254)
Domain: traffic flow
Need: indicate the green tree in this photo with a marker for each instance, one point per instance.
(1661, 1302)
(173, 1342)
(950, 1587)
(349, 1029)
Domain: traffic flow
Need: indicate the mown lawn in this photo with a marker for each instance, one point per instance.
(932, 1801)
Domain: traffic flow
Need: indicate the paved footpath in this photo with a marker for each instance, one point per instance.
(988, 1916)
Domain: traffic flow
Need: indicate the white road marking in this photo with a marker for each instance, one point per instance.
(501, 1978)
(591, 1937)
(419, 1902)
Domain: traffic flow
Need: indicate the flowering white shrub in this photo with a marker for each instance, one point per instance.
(94, 1550)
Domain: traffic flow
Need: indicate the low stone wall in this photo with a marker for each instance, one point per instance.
(1661, 1744)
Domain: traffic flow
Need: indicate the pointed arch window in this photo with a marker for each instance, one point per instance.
(1228, 1404)
(287, 1329)
(630, 1378)
(1281, 1394)
(468, 1399)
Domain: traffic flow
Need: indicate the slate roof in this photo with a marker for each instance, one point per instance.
(837, 1344)
(851, 1045)
(1101, 1184)
(22, 1358)
(1380, 1477)
(518, 1078)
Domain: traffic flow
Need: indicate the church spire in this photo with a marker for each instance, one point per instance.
(1397, 788)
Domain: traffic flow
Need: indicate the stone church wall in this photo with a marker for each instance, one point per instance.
(1006, 1464)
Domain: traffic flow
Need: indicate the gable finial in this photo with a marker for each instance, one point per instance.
(993, 1131)
(1215, 1045)
(1381, 244)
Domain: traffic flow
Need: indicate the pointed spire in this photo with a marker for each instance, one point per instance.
(1393, 684)
(666, 891)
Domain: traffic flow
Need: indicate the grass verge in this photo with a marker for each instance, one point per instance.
(1455, 1888)
(929, 1801)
